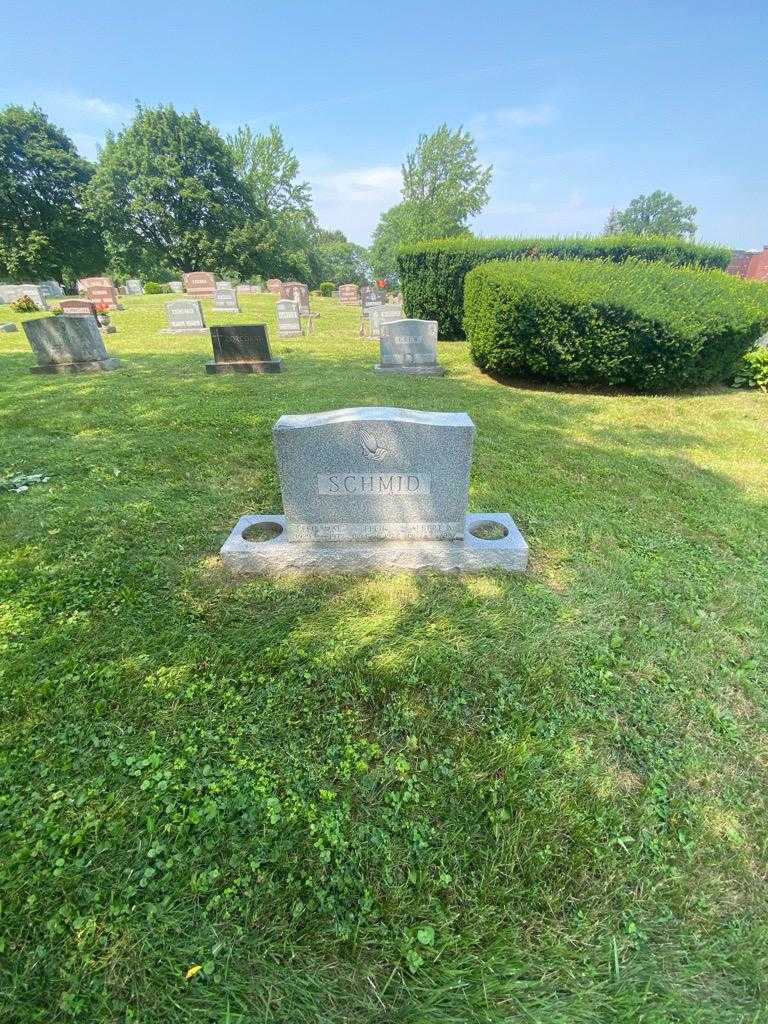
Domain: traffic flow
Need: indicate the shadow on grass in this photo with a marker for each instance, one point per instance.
(303, 774)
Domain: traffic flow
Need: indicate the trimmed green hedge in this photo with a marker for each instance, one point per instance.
(432, 273)
(646, 326)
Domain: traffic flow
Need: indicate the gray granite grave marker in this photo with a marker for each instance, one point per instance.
(288, 319)
(225, 300)
(383, 314)
(67, 344)
(185, 316)
(242, 349)
(409, 346)
(8, 328)
(13, 292)
(374, 489)
(176, 286)
(133, 287)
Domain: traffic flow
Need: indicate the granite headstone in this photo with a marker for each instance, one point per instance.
(242, 349)
(349, 294)
(200, 284)
(176, 286)
(134, 287)
(409, 346)
(225, 300)
(274, 284)
(67, 344)
(288, 319)
(374, 489)
(185, 316)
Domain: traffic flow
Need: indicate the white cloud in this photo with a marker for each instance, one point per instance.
(353, 198)
(92, 108)
(495, 123)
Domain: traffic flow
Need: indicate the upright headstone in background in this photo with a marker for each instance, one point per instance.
(409, 346)
(51, 289)
(225, 300)
(297, 292)
(383, 314)
(84, 307)
(134, 287)
(87, 282)
(200, 284)
(185, 316)
(348, 294)
(13, 292)
(176, 286)
(77, 307)
(288, 320)
(274, 285)
(103, 294)
(370, 295)
(242, 349)
(375, 488)
(67, 344)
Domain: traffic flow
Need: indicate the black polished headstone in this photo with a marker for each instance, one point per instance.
(242, 348)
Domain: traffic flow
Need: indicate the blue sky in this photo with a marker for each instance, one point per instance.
(579, 107)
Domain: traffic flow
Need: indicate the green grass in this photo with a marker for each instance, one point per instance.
(420, 799)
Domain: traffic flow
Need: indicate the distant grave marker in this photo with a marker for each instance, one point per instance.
(242, 349)
(200, 284)
(134, 287)
(410, 347)
(349, 294)
(185, 316)
(288, 319)
(225, 300)
(274, 285)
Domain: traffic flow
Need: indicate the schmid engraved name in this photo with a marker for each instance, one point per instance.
(343, 485)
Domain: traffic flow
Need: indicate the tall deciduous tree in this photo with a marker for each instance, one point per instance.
(166, 194)
(659, 213)
(280, 236)
(44, 231)
(443, 185)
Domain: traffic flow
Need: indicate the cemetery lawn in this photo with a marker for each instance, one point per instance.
(423, 799)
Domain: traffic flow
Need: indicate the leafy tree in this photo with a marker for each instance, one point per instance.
(269, 169)
(443, 185)
(443, 179)
(166, 193)
(659, 213)
(44, 231)
(280, 236)
(343, 261)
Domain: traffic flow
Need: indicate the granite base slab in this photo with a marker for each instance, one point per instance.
(251, 366)
(472, 554)
(88, 366)
(184, 330)
(416, 371)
